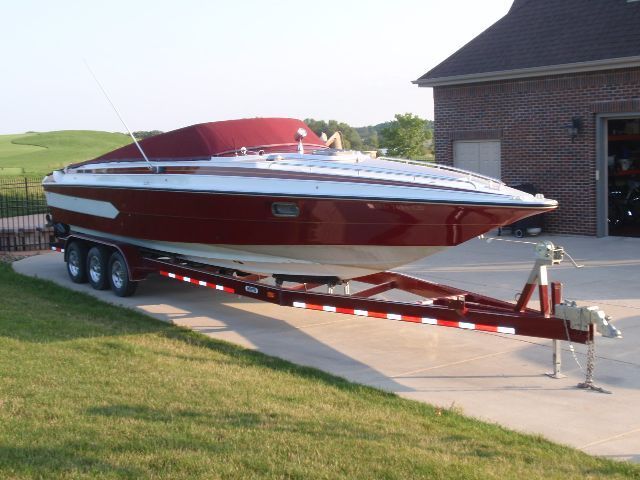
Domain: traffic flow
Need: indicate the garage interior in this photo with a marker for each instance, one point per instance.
(623, 172)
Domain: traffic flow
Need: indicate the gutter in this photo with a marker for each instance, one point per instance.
(578, 67)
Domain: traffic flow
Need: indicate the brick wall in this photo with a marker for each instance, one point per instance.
(529, 117)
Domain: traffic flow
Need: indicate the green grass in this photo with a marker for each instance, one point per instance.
(39, 153)
(91, 390)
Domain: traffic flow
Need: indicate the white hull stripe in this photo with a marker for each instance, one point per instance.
(197, 282)
(406, 318)
(87, 206)
(430, 192)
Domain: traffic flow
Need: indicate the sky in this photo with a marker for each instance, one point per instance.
(169, 64)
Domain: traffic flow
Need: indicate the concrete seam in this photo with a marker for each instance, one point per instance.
(472, 359)
(604, 440)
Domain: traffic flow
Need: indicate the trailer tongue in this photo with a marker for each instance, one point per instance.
(432, 304)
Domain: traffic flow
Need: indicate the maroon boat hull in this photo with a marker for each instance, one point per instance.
(245, 219)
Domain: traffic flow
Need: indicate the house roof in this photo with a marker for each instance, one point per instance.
(545, 37)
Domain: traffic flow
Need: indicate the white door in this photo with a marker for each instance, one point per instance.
(478, 156)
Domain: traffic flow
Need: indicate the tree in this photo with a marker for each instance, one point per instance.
(407, 137)
(142, 134)
(370, 135)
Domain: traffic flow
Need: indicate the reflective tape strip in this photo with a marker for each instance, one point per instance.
(57, 249)
(405, 318)
(360, 313)
(197, 282)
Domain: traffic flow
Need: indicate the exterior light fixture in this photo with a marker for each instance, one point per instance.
(574, 128)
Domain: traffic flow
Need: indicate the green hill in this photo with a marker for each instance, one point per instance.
(39, 153)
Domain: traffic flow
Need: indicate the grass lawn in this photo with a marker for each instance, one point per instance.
(91, 390)
(39, 153)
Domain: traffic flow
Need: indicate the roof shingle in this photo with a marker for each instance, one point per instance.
(541, 33)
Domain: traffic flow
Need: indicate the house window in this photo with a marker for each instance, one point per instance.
(479, 156)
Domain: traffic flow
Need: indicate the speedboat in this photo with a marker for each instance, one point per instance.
(267, 196)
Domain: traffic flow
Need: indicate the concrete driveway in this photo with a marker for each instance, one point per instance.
(489, 376)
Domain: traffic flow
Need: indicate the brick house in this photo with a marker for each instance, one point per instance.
(550, 95)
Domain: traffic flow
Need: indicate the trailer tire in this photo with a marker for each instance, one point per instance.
(97, 267)
(119, 280)
(77, 262)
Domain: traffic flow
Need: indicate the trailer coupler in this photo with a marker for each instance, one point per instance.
(581, 318)
(587, 319)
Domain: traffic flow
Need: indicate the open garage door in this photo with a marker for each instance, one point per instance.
(478, 156)
(623, 173)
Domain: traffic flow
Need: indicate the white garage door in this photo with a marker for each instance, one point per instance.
(478, 156)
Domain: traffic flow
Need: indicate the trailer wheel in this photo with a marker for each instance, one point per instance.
(97, 267)
(119, 276)
(518, 232)
(76, 262)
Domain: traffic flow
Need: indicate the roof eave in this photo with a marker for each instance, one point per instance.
(595, 65)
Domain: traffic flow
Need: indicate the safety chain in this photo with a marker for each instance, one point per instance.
(571, 347)
(591, 360)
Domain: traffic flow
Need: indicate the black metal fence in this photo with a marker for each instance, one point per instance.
(22, 215)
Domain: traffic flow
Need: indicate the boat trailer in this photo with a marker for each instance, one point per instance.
(434, 304)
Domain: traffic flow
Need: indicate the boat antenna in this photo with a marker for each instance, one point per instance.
(144, 155)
